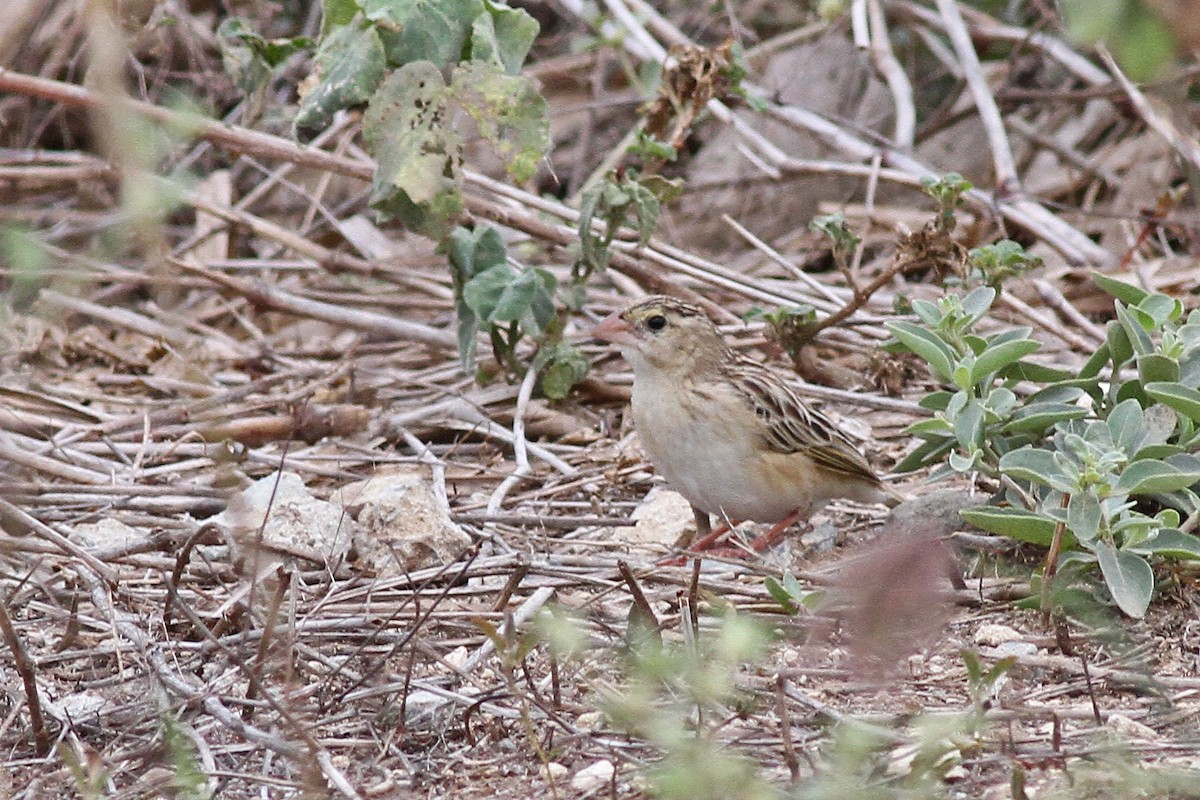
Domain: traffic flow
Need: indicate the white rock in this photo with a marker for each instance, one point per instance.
(106, 533)
(554, 771)
(295, 521)
(594, 776)
(590, 721)
(1130, 729)
(992, 635)
(403, 525)
(661, 519)
(1018, 649)
(76, 707)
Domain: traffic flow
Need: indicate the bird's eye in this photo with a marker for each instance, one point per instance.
(656, 323)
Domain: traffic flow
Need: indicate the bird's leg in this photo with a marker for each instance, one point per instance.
(760, 544)
(767, 540)
(706, 537)
(703, 529)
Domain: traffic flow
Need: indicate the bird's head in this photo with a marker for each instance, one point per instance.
(664, 334)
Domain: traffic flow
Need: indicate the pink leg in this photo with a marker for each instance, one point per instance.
(762, 543)
(766, 541)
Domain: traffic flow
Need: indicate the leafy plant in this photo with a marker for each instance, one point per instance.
(510, 304)
(1098, 465)
(1140, 38)
(993, 264)
(613, 201)
(844, 240)
(791, 596)
(948, 192)
(677, 697)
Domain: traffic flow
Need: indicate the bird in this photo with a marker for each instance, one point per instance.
(727, 432)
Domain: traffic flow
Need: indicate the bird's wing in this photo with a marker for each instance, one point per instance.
(788, 425)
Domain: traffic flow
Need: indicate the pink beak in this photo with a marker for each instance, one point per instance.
(616, 330)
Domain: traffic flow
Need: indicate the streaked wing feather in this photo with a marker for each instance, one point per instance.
(790, 426)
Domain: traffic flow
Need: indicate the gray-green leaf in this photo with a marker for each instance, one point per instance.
(1128, 577)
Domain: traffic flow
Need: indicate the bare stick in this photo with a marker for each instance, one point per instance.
(520, 445)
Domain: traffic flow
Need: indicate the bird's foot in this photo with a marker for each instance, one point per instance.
(706, 546)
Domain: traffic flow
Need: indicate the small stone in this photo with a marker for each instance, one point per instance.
(594, 776)
(554, 771)
(590, 721)
(661, 519)
(992, 635)
(956, 773)
(1018, 649)
(107, 532)
(1130, 729)
(404, 525)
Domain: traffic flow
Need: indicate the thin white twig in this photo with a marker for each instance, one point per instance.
(519, 618)
(1003, 162)
(988, 27)
(869, 208)
(812, 283)
(895, 76)
(859, 28)
(437, 469)
(469, 414)
(1182, 144)
(520, 445)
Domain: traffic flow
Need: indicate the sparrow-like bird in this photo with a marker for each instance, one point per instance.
(727, 433)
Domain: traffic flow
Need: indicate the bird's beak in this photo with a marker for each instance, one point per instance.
(614, 329)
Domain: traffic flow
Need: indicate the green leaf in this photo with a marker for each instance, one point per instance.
(1015, 523)
(335, 13)
(1155, 367)
(540, 313)
(1083, 516)
(1125, 424)
(978, 301)
(780, 595)
(473, 251)
(927, 453)
(467, 327)
(968, 426)
(1169, 543)
(1102, 355)
(926, 427)
(1038, 373)
(565, 367)
(1118, 343)
(928, 312)
(1152, 477)
(349, 67)
(1134, 328)
(509, 112)
(483, 292)
(1037, 417)
(1037, 466)
(1182, 398)
(1145, 46)
(424, 30)
(1161, 308)
(1125, 292)
(503, 35)
(928, 346)
(1129, 578)
(500, 294)
(419, 156)
(936, 401)
(998, 356)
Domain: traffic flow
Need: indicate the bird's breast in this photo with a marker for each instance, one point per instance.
(703, 441)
